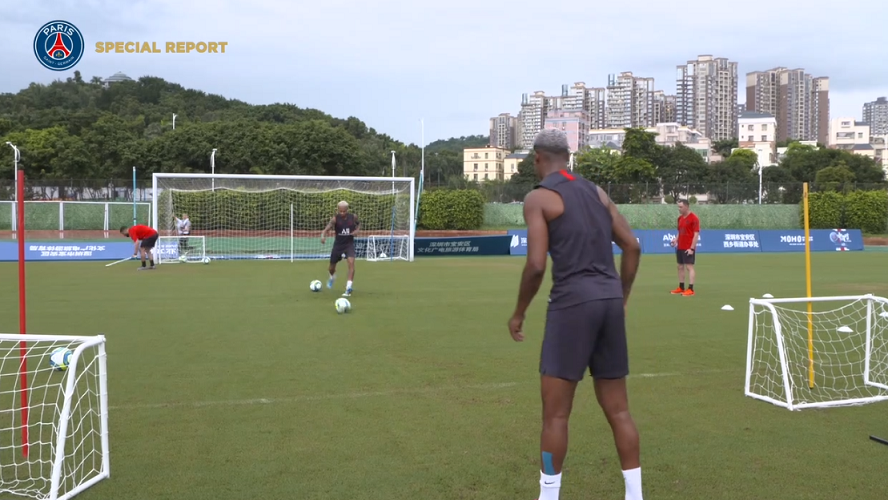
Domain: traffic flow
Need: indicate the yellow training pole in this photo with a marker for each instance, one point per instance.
(808, 285)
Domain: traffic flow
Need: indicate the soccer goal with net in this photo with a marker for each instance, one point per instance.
(282, 216)
(53, 417)
(831, 353)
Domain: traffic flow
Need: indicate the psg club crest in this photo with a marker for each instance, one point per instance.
(58, 45)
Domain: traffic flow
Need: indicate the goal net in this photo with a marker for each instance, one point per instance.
(180, 249)
(282, 216)
(53, 418)
(834, 355)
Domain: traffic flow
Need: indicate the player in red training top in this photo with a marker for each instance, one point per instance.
(686, 247)
(148, 237)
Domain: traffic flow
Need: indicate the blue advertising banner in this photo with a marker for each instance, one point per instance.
(518, 242)
(459, 246)
(731, 241)
(67, 251)
(822, 240)
(659, 241)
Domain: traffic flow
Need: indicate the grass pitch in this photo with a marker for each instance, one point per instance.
(234, 381)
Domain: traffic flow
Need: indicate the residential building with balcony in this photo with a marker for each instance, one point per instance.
(706, 94)
(484, 164)
(757, 132)
(510, 164)
(574, 123)
(875, 114)
(504, 131)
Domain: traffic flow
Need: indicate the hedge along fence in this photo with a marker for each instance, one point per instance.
(864, 210)
(664, 216)
(453, 209)
(225, 209)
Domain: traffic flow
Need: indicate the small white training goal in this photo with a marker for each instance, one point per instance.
(384, 248)
(53, 423)
(831, 353)
(180, 249)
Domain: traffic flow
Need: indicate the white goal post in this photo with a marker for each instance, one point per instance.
(180, 249)
(280, 217)
(833, 354)
(53, 422)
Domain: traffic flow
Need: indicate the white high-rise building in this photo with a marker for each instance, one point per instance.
(630, 101)
(706, 94)
(875, 114)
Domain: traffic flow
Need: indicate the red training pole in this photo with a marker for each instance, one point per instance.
(23, 367)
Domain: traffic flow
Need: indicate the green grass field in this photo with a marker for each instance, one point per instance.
(234, 381)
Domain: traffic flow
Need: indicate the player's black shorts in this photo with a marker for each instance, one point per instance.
(682, 257)
(342, 248)
(149, 242)
(590, 335)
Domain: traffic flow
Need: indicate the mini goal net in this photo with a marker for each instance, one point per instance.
(281, 216)
(180, 249)
(834, 353)
(53, 418)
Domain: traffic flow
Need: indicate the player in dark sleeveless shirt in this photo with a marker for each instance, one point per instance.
(346, 226)
(575, 222)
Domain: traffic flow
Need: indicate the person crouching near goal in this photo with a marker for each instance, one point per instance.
(346, 227)
(148, 238)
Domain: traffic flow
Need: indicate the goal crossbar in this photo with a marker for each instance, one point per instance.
(806, 359)
(281, 217)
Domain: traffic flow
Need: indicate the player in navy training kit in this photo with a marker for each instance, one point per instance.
(346, 226)
(575, 222)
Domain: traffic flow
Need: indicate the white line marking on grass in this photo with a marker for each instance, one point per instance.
(372, 394)
(321, 397)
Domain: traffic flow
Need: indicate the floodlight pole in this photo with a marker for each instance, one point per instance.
(213, 168)
(760, 181)
(174, 120)
(15, 162)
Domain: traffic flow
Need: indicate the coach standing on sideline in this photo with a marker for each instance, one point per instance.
(686, 247)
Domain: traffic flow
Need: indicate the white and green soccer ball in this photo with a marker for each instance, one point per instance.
(182, 258)
(59, 358)
(342, 305)
(315, 286)
(206, 260)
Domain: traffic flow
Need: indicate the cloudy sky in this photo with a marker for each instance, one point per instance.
(454, 63)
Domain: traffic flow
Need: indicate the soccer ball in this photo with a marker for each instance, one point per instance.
(382, 255)
(206, 260)
(315, 286)
(59, 358)
(342, 305)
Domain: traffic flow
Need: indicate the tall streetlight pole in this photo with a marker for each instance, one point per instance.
(174, 120)
(213, 167)
(15, 162)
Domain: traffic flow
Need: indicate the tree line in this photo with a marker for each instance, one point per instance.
(85, 130)
(644, 169)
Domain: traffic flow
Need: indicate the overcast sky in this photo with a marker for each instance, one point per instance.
(454, 63)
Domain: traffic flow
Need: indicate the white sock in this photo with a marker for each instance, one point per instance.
(348, 285)
(550, 486)
(332, 276)
(633, 483)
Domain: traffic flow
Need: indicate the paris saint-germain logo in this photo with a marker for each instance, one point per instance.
(58, 45)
